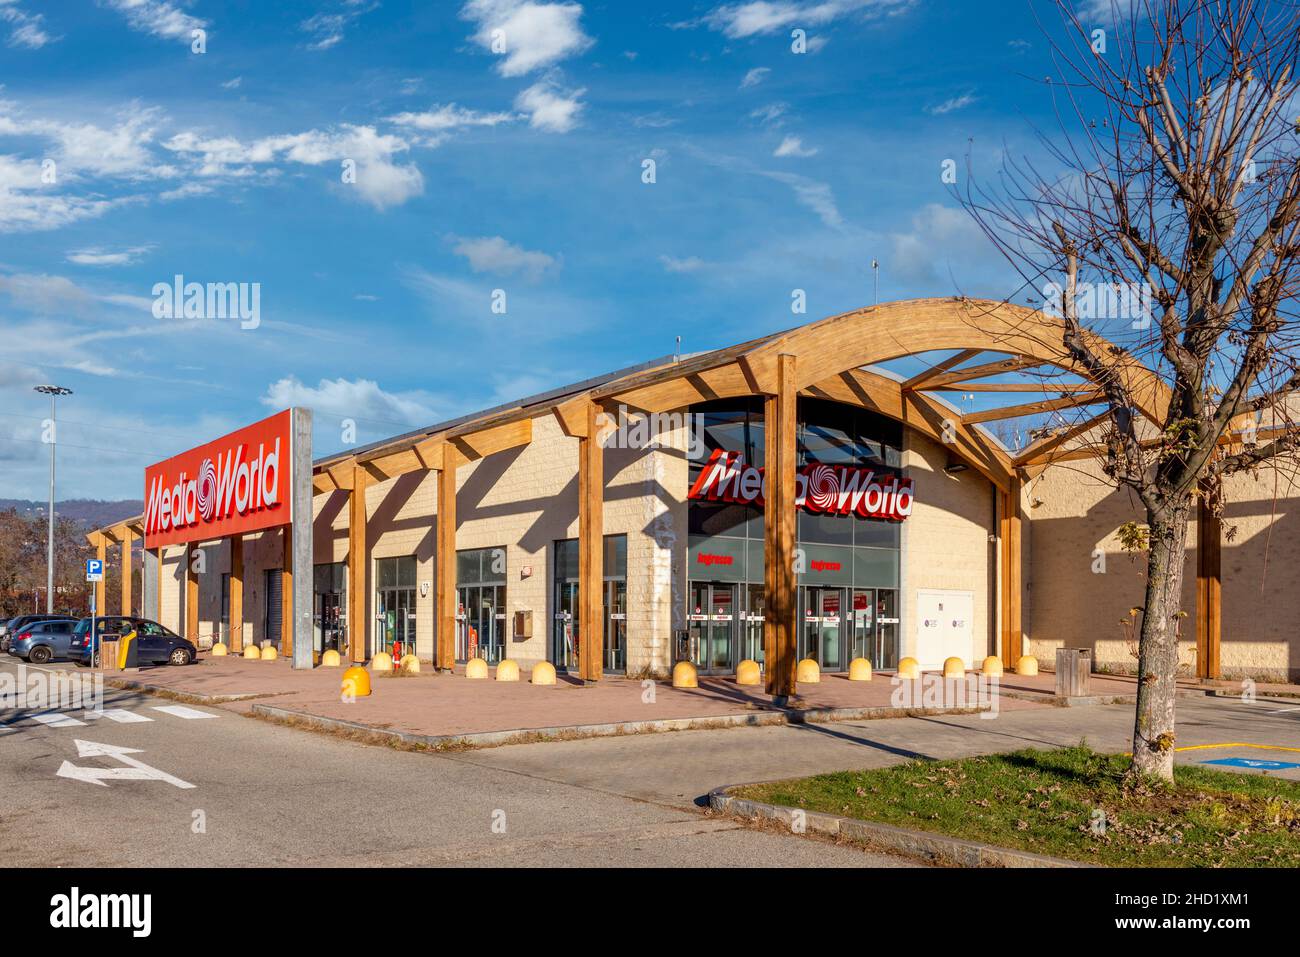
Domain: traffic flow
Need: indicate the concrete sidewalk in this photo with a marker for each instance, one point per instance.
(440, 706)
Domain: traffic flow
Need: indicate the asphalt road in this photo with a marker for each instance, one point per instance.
(262, 794)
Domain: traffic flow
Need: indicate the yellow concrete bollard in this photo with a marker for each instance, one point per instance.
(747, 673)
(269, 653)
(330, 659)
(859, 670)
(507, 670)
(909, 668)
(476, 668)
(1027, 665)
(382, 661)
(992, 667)
(685, 675)
(356, 682)
(543, 673)
(954, 668)
(219, 650)
(807, 672)
(409, 665)
(252, 652)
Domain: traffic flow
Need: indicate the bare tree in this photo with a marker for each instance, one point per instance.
(1168, 224)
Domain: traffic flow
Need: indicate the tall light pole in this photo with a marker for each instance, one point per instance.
(53, 391)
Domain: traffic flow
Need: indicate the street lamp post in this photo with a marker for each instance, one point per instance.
(53, 391)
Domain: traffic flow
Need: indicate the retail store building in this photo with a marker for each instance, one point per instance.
(635, 509)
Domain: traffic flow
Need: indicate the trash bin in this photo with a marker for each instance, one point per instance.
(108, 653)
(1073, 665)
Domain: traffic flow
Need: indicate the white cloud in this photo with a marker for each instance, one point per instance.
(814, 195)
(26, 29)
(528, 35)
(327, 29)
(380, 181)
(938, 234)
(98, 256)
(495, 255)
(442, 120)
(952, 104)
(739, 20)
(157, 18)
(754, 77)
(232, 84)
(770, 114)
(27, 204)
(793, 146)
(550, 108)
(689, 264)
(360, 399)
(121, 150)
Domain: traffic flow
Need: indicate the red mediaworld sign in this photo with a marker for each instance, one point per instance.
(833, 489)
(238, 483)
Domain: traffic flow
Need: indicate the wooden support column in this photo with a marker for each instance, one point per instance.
(1209, 583)
(101, 552)
(1009, 585)
(445, 532)
(236, 594)
(286, 592)
(591, 549)
(127, 539)
(191, 596)
(357, 564)
(158, 610)
(779, 429)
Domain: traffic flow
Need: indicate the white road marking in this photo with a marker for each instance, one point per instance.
(56, 720)
(120, 715)
(134, 770)
(1284, 710)
(180, 711)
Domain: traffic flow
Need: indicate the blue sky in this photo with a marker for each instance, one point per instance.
(475, 170)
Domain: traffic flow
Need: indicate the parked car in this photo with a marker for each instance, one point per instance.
(42, 641)
(11, 626)
(155, 644)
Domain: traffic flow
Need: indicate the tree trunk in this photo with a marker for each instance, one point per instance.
(1153, 729)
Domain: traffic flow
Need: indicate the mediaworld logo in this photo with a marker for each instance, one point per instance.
(74, 910)
(213, 300)
(833, 489)
(232, 484)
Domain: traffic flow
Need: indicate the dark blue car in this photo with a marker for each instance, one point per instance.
(155, 645)
(43, 641)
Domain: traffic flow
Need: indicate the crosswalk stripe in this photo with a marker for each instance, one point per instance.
(120, 715)
(58, 721)
(180, 711)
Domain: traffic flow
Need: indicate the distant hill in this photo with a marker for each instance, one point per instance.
(90, 513)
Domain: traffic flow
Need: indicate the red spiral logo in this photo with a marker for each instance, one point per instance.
(207, 490)
(823, 488)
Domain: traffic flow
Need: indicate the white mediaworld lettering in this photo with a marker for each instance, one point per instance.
(233, 485)
(819, 488)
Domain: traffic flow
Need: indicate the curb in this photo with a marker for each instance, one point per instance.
(493, 739)
(923, 844)
(1084, 701)
(124, 684)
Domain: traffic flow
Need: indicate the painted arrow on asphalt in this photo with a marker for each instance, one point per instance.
(133, 769)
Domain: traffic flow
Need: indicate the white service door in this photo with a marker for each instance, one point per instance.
(944, 627)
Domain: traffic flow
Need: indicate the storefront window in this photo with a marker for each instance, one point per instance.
(329, 596)
(394, 629)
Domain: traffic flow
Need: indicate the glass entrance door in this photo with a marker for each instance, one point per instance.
(751, 644)
(564, 634)
(862, 641)
(823, 627)
(481, 623)
(712, 627)
(395, 622)
(886, 655)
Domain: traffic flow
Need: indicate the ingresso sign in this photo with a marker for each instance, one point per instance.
(833, 489)
(241, 482)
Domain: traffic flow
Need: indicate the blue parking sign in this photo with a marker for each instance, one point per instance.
(94, 570)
